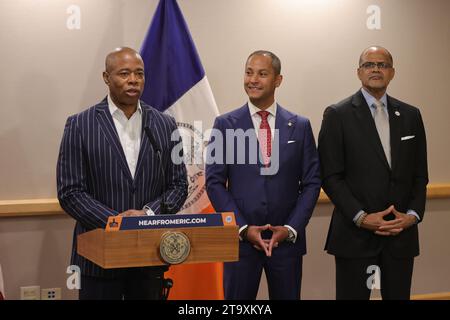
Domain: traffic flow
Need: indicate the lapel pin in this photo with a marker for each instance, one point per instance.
(397, 113)
(290, 124)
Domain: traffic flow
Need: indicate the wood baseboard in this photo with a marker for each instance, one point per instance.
(427, 296)
(432, 296)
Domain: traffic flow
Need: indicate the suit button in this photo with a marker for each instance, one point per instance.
(264, 203)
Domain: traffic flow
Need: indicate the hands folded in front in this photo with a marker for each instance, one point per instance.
(279, 234)
(381, 227)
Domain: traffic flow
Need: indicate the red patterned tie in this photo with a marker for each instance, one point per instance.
(265, 137)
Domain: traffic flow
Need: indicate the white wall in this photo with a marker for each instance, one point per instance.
(50, 72)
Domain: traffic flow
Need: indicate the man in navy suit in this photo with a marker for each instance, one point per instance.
(108, 166)
(374, 166)
(272, 188)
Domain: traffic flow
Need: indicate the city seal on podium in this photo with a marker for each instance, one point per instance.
(174, 247)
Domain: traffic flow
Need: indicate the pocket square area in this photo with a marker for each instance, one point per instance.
(407, 138)
(291, 141)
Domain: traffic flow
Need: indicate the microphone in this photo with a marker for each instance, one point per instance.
(163, 204)
(167, 284)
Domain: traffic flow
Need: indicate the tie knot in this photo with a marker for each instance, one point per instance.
(378, 104)
(263, 114)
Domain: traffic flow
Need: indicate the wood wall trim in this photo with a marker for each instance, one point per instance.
(434, 191)
(31, 207)
(49, 207)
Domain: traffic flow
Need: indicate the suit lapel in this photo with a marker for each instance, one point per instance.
(106, 123)
(395, 120)
(367, 125)
(147, 122)
(285, 123)
(243, 118)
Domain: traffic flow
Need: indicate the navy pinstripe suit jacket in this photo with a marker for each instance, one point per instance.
(94, 181)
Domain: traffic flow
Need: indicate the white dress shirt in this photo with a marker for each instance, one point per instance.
(256, 118)
(129, 131)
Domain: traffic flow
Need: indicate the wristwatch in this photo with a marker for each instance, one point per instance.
(291, 236)
(148, 211)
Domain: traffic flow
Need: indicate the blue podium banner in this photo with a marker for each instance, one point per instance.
(118, 223)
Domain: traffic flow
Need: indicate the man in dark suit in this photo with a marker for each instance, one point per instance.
(107, 166)
(273, 195)
(373, 157)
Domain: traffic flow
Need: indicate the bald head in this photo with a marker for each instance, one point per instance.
(276, 63)
(124, 75)
(375, 49)
(119, 53)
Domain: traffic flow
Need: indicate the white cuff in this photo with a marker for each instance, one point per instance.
(240, 230)
(410, 211)
(148, 211)
(355, 219)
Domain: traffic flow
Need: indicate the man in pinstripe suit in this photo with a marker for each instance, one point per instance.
(107, 166)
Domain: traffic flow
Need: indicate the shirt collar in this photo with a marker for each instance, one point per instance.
(371, 100)
(254, 109)
(114, 109)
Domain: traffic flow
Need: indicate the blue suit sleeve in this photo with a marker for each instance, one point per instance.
(310, 182)
(217, 174)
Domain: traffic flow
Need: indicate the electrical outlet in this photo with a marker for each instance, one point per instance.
(51, 294)
(30, 293)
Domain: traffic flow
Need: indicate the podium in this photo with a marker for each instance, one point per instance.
(136, 241)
